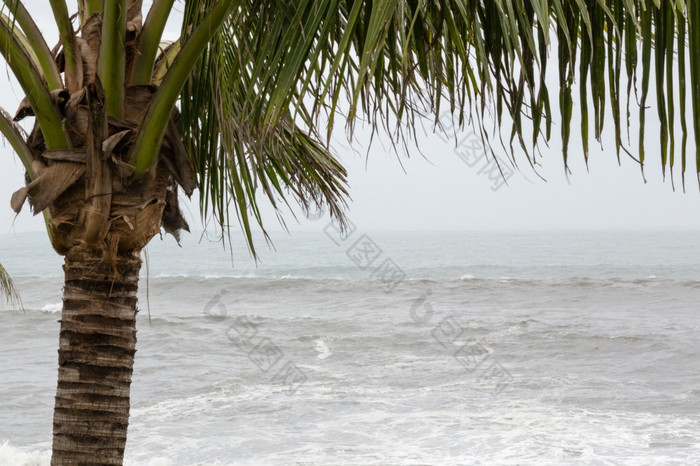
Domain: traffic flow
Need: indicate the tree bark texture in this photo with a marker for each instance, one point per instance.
(95, 357)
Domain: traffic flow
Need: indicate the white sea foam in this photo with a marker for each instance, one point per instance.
(16, 456)
(52, 308)
(322, 348)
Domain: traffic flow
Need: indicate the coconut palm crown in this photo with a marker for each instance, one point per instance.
(242, 106)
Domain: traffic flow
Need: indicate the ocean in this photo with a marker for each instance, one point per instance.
(387, 348)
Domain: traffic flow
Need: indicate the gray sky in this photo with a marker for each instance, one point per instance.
(445, 193)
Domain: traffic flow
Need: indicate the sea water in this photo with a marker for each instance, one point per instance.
(361, 348)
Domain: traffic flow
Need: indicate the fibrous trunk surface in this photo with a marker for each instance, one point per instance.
(96, 357)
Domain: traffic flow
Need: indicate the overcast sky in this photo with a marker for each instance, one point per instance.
(450, 189)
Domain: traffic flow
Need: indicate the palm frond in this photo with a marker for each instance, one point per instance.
(278, 71)
(394, 61)
(37, 43)
(24, 68)
(240, 159)
(7, 288)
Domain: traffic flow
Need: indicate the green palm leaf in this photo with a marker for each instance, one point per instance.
(239, 159)
(7, 288)
(391, 62)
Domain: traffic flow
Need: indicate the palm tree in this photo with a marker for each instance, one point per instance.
(235, 108)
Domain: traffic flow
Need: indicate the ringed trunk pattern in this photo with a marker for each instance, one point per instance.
(96, 357)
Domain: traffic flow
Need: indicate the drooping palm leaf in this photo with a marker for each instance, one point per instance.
(7, 288)
(393, 61)
(238, 159)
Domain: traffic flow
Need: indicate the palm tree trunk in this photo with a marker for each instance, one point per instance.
(95, 357)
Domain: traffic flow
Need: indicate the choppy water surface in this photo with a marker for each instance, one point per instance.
(388, 348)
